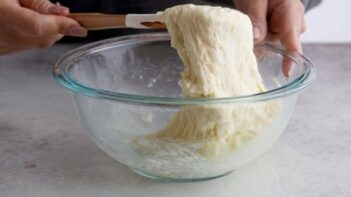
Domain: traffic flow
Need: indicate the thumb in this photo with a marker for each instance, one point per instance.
(45, 7)
(257, 11)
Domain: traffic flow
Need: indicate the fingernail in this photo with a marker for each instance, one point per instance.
(57, 9)
(289, 73)
(77, 31)
(256, 32)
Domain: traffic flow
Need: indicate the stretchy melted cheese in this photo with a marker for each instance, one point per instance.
(216, 47)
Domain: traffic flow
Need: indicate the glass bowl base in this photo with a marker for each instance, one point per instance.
(168, 179)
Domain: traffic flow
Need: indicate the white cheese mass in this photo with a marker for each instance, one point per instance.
(216, 47)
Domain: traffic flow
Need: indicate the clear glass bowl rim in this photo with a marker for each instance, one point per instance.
(62, 76)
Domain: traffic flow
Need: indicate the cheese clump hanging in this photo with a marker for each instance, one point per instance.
(216, 47)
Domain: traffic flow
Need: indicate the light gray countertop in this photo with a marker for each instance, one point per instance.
(44, 151)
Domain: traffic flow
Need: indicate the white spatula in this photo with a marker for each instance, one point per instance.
(98, 21)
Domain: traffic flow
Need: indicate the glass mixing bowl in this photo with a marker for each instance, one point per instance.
(126, 90)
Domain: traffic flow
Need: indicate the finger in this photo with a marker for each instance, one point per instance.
(35, 24)
(287, 21)
(45, 7)
(59, 10)
(63, 25)
(257, 11)
(286, 17)
(292, 43)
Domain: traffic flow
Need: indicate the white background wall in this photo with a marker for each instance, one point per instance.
(329, 22)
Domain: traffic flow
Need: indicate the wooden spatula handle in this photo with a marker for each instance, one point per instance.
(98, 21)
